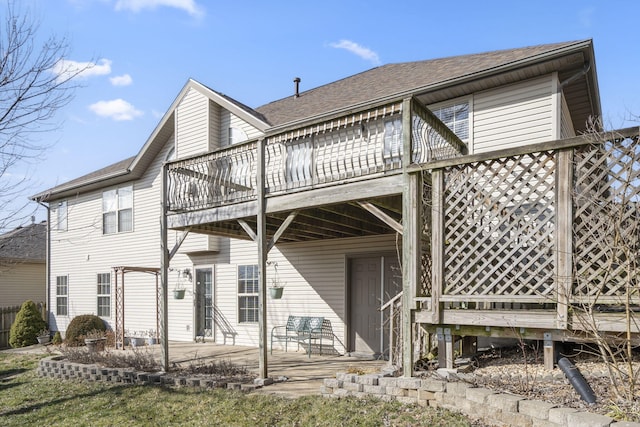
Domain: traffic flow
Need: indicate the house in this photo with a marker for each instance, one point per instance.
(321, 190)
(22, 265)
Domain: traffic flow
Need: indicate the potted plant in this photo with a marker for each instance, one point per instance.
(277, 287)
(44, 336)
(95, 340)
(152, 337)
(136, 339)
(179, 293)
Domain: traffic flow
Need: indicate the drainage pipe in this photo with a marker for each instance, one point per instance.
(577, 380)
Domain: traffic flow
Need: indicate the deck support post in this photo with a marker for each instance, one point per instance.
(261, 234)
(164, 274)
(411, 239)
(549, 352)
(564, 241)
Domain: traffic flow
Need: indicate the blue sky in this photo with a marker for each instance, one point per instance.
(145, 50)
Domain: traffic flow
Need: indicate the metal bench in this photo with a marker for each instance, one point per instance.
(303, 330)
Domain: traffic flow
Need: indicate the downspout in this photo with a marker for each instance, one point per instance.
(47, 263)
(585, 69)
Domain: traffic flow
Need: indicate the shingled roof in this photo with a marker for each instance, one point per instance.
(393, 79)
(378, 84)
(26, 243)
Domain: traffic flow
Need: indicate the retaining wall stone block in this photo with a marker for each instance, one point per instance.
(431, 384)
(586, 419)
(333, 383)
(352, 386)
(413, 383)
(504, 402)
(478, 395)
(535, 408)
(374, 389)
(388, 382)
(458, 388)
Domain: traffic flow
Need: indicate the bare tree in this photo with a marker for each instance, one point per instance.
(34, 85)
(607, 264)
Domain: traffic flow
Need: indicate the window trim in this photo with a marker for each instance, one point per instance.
(117, 210)
(62, 222)
(99, 295)
(65, 295)
(242, 319)
(457, 101)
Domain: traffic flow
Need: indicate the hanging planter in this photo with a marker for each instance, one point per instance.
(276, 292)
(178, 293)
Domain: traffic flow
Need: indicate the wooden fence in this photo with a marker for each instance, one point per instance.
(7, 317)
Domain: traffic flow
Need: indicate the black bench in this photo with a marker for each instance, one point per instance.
(305, 330)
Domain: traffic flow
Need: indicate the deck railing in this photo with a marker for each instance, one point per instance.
(357, 146)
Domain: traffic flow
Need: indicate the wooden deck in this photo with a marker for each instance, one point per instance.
(532, 241)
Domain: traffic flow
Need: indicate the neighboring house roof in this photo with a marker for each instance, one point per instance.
(432, 80)
(26, 243)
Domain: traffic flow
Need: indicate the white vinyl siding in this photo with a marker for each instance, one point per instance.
(566, 124)
(514, 115)
(192, 124)
(315, 286)
(83, 249)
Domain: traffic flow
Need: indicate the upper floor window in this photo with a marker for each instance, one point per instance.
(117, 210)
(456, 117)
(62, 216)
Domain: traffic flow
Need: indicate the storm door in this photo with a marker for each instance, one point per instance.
(204, 302)
(373, 281)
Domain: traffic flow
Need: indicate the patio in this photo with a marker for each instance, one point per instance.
(304, 374)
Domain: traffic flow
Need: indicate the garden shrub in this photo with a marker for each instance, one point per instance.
(80, 326)
(57, 338)
(27, 325)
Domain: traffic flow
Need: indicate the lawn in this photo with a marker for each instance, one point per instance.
(26, 399)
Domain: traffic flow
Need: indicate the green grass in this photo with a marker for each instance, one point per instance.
(26, 399)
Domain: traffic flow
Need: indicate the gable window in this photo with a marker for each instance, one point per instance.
(62, 216)
(456, 117)
(247, 293)
(104, 295)
(62, 295)
(117, 210)
(236, 136)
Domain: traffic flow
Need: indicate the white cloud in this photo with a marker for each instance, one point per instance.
(66, 69)
(188, 6)
(123, 80)
(117, 109)
(355, 48)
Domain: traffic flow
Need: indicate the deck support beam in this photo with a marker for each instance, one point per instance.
(382, 216)
(262, 260)
(411, 239)
(164, 274)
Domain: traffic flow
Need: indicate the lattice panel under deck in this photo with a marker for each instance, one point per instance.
(499, 227)
(424, 290)
(606, 228)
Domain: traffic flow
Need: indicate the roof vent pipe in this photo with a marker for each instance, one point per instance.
(297, 82)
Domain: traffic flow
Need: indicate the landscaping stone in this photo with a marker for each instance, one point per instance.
(587, 419)
(535, 408)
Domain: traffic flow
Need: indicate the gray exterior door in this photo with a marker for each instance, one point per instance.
(370, 286)
(204, 302)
